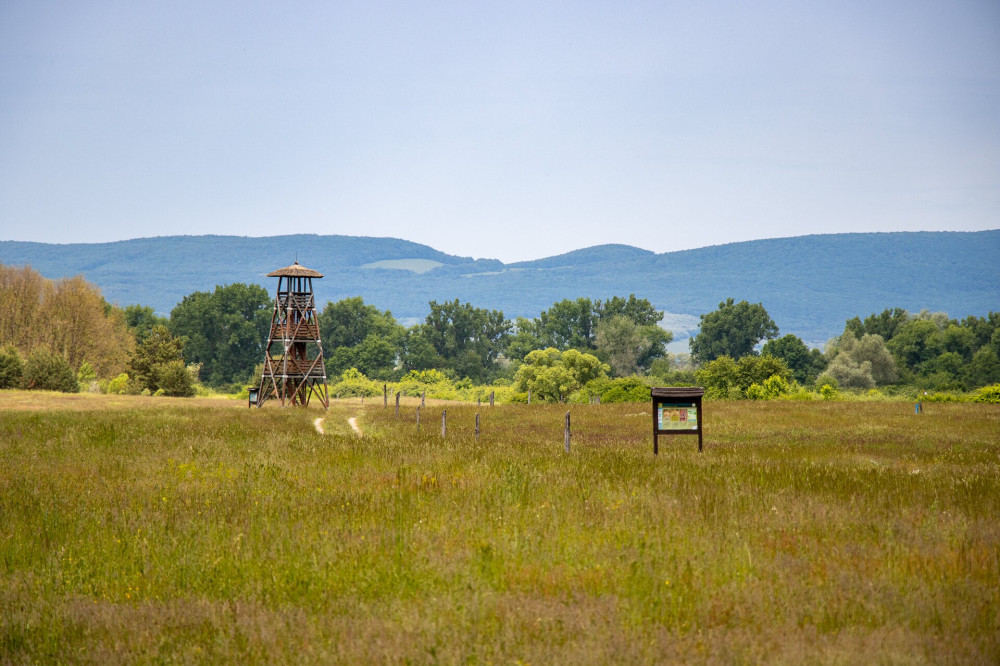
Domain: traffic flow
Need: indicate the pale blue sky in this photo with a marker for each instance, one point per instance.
(511, 130)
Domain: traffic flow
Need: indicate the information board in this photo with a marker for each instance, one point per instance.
(677, 411)
(677, 416)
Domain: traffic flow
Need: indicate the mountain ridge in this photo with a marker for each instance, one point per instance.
(809, 284)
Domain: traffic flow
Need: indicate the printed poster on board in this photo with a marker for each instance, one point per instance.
(674, 416)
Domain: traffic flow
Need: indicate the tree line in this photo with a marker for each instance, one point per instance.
(60, 334)
(893, 348)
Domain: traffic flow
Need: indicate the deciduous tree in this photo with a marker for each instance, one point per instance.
(356, 335)
(225, 331)
(81, 326)
(630, 347)
(732, 330)
(469, 339)
(141, 319)
(806, 364)
(551, 375)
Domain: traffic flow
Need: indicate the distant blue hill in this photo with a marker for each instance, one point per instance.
(809, 284)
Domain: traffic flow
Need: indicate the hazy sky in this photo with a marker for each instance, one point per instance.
(511, 130)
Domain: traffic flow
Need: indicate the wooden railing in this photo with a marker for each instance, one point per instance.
(294, 367)
(300, 331)
(300, 301)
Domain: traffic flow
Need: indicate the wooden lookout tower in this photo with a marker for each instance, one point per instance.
(293, 358)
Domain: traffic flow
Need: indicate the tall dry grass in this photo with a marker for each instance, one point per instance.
(817, 532)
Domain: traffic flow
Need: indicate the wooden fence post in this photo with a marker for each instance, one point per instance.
(444, 423)
(423, 397)
(397, 404)
(529, 396)
(492, 393)
(566, 434)
(385, 395)
(477, 426)
(418, 419)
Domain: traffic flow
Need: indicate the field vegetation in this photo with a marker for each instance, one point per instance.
(62, 335)
(138, 529)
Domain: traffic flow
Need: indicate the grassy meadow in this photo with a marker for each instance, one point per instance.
(165, 530)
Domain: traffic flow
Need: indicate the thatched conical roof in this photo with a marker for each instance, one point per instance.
(295, 271)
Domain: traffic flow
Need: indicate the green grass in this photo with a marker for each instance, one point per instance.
(162, 530)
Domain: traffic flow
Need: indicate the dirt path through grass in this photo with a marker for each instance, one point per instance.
(353, 421)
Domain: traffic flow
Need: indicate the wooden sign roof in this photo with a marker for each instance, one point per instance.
(678, 392)
(295, 271)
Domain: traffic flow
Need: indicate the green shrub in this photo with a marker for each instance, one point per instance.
(939, 396)
(827, 380)
(46, 371)
(86, 373)
(172, 379)
(718, 377)
(988, 394)
(11, 368)
(354, 384)
(434, 382)
(829, 392)
(86, 377)
(118, 385)
(625, 389)
(773, 387)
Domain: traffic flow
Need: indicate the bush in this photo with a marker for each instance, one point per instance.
(725, 378)
(354, 384)
(940, 397)
(773, 387)
(86, 374)
(827, 380)
(718, 377)
(172, 379)
(828, 392)
(86, 377)
(988, 394)
(118, 385)
(625, 389)
(46, 371)
(11, 368)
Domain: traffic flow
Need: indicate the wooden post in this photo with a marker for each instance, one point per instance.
(492, 393)
(397, 404)
(444, 423)
(423, 397)
(385, 395)
(418, 419)
(529, 396)
(479, 402)
(477, 426)
(566, 434)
